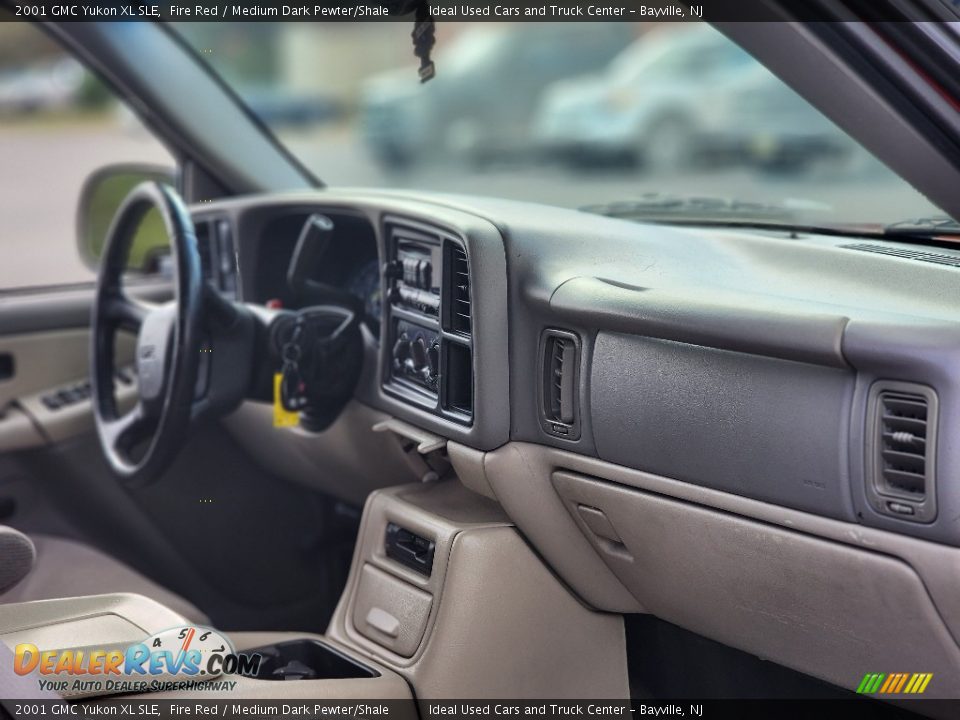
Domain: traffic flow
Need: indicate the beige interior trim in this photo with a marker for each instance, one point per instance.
(44, 363)
(45, 617)
(18, 431)
(71, 420)
(43, 360)
(348, 460)
(519, 474)
(118, 620)
(388, 686)
(820, 607)
(500, 625)
(911, 577)
(103, 622)
(468, 465)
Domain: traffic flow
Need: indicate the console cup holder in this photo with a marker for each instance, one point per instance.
(306, 659)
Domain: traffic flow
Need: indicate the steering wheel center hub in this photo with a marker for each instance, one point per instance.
(153, 353)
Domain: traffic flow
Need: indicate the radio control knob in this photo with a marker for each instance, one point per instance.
(401, 350)
(393, 269)
(418, 352)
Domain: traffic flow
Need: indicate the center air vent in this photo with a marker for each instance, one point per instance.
(902, 451)
(460, 307)
(560, 381)
(217, 255)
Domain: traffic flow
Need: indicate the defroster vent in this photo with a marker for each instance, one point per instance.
(902, 452)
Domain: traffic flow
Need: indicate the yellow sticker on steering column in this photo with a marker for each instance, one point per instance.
(281, 416)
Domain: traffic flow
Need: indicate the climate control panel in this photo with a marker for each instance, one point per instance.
(416, 355)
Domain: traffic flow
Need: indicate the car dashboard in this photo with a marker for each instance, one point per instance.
(767, 414)
(782, 356)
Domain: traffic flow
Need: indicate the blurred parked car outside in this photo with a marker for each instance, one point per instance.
(645, 106)
(44, 87)
(488, 84)
(755, 119)
(278, 106)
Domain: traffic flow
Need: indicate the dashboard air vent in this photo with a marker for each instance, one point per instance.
(218, 259)
(929, 257)
(560, 356)
(561, 383)
(460, 308)
(903, 447)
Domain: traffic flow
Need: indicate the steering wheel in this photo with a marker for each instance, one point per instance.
(169, 340)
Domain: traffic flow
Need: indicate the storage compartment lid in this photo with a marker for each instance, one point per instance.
(390, 612)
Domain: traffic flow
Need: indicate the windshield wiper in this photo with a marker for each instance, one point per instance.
(924, 227)
(721, 212)
(655, 207)
(705, 211)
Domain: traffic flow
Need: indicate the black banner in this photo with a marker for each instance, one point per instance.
(467, 10)
(144, 708)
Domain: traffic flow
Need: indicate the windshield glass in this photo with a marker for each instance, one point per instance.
(571, 114)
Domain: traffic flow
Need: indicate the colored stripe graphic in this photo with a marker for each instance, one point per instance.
(871, 683)
(903, 681)
(894, 683)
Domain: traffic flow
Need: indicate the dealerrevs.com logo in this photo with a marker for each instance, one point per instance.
(180, 658)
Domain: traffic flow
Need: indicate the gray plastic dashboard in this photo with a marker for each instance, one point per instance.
(734, 360)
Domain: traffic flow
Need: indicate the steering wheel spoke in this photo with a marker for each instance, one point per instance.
(126, 312)
(122, 433)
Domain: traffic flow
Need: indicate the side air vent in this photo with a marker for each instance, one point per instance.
(560, 382)
(460, 306)
(218, 260)
(902, 450)
(929, 257)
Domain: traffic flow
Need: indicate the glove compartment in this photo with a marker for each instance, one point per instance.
(824, 608)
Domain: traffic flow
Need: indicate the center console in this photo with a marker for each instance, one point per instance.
(445, 591)
(445, 599)
(307, 666)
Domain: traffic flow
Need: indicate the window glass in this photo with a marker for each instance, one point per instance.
(571, 114)
(58, 124)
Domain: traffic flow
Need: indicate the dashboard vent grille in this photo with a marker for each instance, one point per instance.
(218, 260)
(561, 356)
(561, 395)
(904, 442)
(460, 308)
(929, 257)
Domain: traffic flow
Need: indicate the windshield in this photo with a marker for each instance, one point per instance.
(570, 114)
